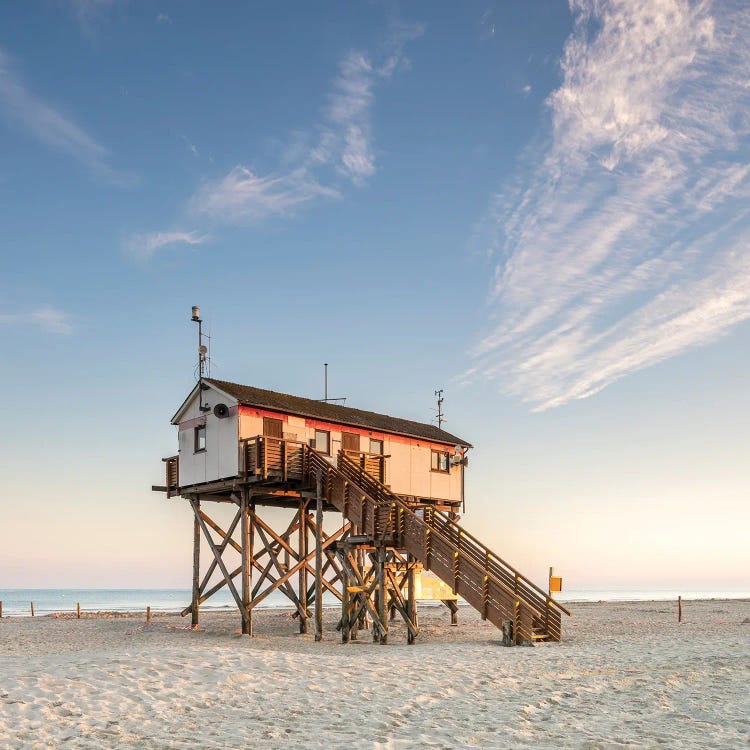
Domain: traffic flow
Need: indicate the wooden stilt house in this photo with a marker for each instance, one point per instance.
(396, 488)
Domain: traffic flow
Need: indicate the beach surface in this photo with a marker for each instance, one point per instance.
(626, 675)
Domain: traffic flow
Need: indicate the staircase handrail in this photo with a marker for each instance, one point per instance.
(394, 500)
(382, 491)
(486, 550)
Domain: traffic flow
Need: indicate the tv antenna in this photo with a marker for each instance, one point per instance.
(325, 398)
(440, 415)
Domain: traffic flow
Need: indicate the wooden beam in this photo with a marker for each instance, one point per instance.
(247, 566)
(319, 560)
(217, 557)
(196, 568)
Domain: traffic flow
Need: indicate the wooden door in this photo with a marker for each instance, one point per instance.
(273, 427)
(349, 441)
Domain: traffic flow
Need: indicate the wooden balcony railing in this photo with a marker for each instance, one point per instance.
(172, 470)
(273, 458)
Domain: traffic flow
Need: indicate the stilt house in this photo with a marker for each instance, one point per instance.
(396, 489)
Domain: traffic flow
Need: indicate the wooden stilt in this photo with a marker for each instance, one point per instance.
(78, 610)
(246, 560)
(345, 605)
(382, 595)
(319, 560)
(194, 615)
(302, 590)
(411, 602)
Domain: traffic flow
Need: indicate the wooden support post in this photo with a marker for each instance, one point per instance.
(345, 603)
(78, 610)
(679, 609)
(303, 570)
(32, 609)
(1, 609)
(411, 602)
(194, 615)
(247, 563)
(319, 559)
(148, 615)
(382, 595)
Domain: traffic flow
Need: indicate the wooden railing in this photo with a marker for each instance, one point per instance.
(274, 458)
(172, 470)
(480, 576)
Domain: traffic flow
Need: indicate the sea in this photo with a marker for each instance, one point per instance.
(17, 602)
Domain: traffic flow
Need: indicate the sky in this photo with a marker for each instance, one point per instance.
(540, 208)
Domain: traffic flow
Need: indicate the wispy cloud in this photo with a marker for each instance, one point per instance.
(47, 318)
(626, 242)
(143, 246)
(244, 197)
(28, 112)
(315, 166)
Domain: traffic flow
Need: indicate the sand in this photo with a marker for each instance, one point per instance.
(625, 676)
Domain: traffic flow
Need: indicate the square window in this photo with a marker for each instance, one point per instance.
(376, 446)
(323, 441)
(440, 461)
(200, 438)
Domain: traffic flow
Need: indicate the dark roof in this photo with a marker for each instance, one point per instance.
(306, 407)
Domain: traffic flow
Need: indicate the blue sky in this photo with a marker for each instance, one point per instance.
(541, 208)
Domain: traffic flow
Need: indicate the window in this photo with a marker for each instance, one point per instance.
(200, 439)
(376, 446)
(322, 441)
(440, 461)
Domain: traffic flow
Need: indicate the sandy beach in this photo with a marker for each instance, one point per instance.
(626, 675)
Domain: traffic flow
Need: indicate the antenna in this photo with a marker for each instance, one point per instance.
(325, 398)
(440, 415)
(202, 351)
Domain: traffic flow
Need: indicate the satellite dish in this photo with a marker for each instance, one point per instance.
(203, 349)
(221, 411)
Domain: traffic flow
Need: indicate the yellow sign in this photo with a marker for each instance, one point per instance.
(555, 584)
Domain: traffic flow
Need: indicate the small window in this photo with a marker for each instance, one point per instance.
(376, 446)
(200, 438)
(440, 461)
(322, 441)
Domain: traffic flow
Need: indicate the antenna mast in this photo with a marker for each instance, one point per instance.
(440, 415)
(202, 351)
(325, 398)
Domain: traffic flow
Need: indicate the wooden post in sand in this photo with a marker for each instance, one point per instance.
(194, 614)
(1, 608)
(148, 615)
(32, 609)
(679, 609)
(318, 559)
(78, 610)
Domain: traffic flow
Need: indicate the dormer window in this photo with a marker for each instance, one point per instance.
(200, 439)
(440, 461)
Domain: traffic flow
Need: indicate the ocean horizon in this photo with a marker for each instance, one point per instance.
(17, 602)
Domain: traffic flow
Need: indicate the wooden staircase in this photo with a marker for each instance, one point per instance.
(502, 595)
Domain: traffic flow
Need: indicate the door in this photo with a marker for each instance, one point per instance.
(273, 427)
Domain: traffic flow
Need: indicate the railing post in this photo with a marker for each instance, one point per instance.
(283, 452)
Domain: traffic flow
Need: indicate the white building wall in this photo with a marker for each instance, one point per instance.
(221, 457)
